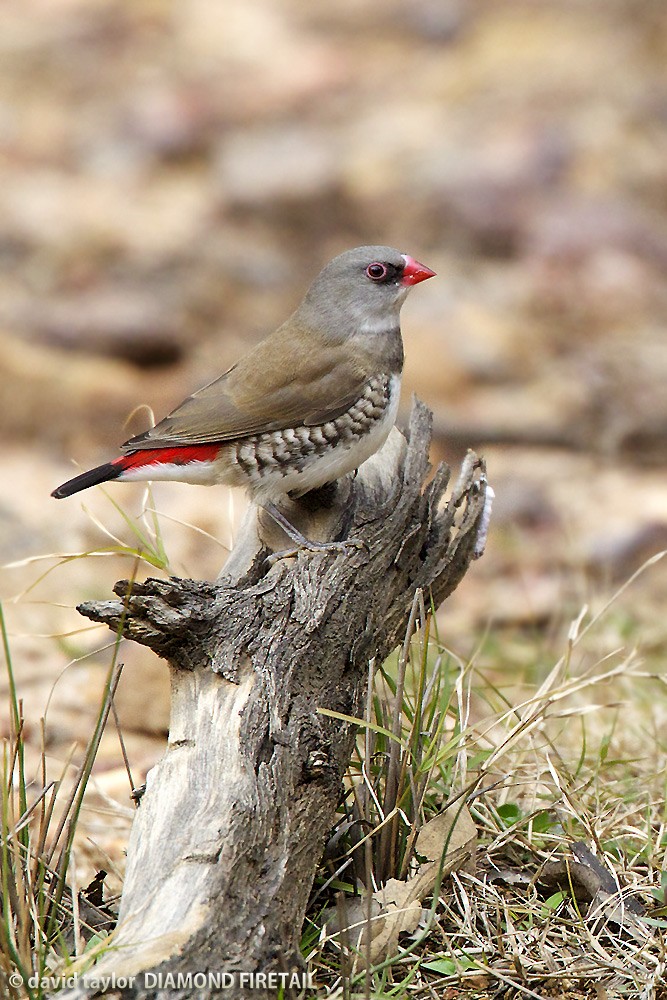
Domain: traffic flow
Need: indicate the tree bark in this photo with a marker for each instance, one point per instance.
(225, 844)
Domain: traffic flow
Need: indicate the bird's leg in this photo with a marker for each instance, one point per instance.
(300, 541)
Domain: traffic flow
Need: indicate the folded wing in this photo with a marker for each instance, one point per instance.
(275, 386)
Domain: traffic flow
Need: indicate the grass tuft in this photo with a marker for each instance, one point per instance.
(568, 894)
(46, 922)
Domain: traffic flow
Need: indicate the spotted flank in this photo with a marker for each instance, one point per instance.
(292, 449)
(309, 457)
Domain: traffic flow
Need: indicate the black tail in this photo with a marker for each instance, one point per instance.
(102, 474)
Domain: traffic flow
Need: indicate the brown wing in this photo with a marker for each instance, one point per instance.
(279, 384)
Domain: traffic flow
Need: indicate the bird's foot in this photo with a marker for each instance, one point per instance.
(301, 542)
(310, 546)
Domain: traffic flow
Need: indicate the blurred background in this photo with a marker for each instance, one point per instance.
(172, 177)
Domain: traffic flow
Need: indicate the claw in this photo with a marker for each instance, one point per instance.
(283, 554)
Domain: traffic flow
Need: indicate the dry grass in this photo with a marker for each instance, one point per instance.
(567, 790)
(565, 781)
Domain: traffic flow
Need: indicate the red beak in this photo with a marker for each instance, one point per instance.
(414, 272)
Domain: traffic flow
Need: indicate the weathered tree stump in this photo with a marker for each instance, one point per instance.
(234, 818)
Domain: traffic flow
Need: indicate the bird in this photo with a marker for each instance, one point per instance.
(305, 407)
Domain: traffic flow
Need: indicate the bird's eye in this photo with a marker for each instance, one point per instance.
(377, 271)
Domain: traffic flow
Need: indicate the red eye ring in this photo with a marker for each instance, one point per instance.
(377, 271)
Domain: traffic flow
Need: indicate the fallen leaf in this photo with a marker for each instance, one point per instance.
(448, 832)
(447, 843)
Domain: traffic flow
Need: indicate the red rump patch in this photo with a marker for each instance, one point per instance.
(182, 455)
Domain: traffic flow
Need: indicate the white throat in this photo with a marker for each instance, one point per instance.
(375, 326)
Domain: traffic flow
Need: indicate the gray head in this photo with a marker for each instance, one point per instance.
(361, 291)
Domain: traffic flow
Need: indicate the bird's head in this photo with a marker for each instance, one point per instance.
(361, 291)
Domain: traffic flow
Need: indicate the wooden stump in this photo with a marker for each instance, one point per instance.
(231, 827)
